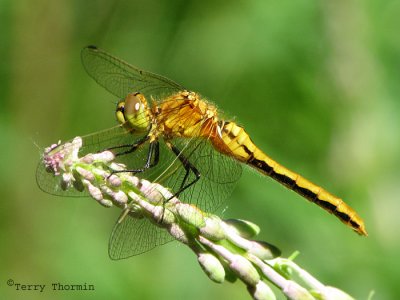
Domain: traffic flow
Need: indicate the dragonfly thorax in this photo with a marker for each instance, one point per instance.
(133, 113)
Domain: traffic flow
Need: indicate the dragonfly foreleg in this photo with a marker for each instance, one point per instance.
(132, 147)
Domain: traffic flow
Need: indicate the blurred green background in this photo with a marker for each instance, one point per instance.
(315, 83)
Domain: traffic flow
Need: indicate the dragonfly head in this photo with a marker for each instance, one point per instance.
(133, 113)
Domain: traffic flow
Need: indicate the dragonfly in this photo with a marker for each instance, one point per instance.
(174, 136)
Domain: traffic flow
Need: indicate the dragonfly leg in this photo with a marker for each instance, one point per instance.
(152, 157)
(132, 147)
(188, 167)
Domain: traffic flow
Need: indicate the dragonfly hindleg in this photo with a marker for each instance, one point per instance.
(188, 167)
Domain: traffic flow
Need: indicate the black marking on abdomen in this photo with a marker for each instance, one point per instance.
(310, 195)
(326, 205)
(354, 224)
(229, 133)
(287, 181)
(291, 184)
(303, 191)
(342, 216)
(247, 150)
(260, 164)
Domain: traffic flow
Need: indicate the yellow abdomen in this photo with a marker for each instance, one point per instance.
(238, 144)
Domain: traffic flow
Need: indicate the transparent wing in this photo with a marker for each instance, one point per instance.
(116, 138)
(121, 78)
(135, 236)
(219, 174)
(92, 143)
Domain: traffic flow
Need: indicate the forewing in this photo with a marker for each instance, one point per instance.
(120, 78)
(93, 143)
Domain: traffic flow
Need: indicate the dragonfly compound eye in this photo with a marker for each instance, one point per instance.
(132, 112)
